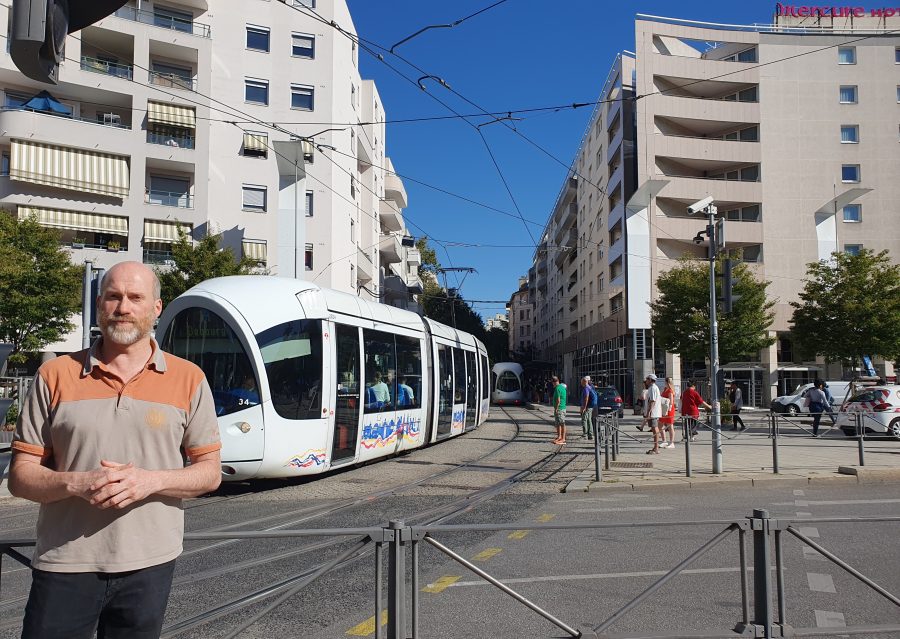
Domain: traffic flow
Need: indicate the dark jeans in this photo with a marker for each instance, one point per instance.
(121, 605)
(736, 419)
(816, 418)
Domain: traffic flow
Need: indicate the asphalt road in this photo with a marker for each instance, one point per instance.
(582, 577)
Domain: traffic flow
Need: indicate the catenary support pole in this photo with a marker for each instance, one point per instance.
(397, 582)
(762, 573)
(714, 346)
(86, 304)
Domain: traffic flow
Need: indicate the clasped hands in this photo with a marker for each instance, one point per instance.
(117, 485)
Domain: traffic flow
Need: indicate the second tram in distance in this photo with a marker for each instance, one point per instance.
(509, 384)
(306, 379)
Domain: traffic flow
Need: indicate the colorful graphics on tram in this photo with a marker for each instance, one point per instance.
(458, 424)
(307, 459)
(386, 432)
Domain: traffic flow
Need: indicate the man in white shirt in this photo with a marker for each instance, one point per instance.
(652, 411)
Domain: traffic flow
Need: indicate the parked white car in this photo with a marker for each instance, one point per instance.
(795, 403)
(880, 407)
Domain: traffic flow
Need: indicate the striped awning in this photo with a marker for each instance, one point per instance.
(164, 231)
(254, 250)
(68, 168)
(256, 141)
(184, 117)
(76, 220)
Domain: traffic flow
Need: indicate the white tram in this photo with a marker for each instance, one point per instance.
(306, 379)
(508, 380)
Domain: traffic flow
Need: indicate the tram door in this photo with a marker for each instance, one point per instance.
(459, 392)
(445, 390)
(471, 391)
(347, 402)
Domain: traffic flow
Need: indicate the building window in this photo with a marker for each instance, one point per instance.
(747, 55)
(846, 55)
(849, 173)
(258, 39)
(848, 95)
(305, 3)
(254, 198)
(303, 46)
(256, 91)
(852, 249)
(309, 204)
(302, 97)
(308, 257)
(4, 164)
(752, 253)
(853, 213)
(896, 55)
(353, 95)
(898, 93)
(849, 134)
(749, 213)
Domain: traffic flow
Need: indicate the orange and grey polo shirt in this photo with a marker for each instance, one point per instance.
(78, 413)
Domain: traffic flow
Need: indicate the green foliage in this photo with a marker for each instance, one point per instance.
(195, 263)
(680, 315)
(429, 258)
(725, 410)
(40, 288)
(11, 415)
(496, 341)
(850, 306)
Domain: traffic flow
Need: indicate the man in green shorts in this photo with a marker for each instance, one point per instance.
(559, 410)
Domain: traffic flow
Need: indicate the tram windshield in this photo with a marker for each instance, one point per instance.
(202, 337)
(508, 382)
(292, 353)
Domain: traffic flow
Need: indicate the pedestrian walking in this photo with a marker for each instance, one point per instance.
(829, 403)
(559, 410)
(652, 411)
(691, 401)
(737, 403)
(99, 444)
(588, 406)
(667, 409)
(816, 401)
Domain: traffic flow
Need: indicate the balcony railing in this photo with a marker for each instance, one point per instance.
(158, 257)
(109, 68)
(166, 139)
(173, 81)
(165, 22)
(168, 198)
(113, 122)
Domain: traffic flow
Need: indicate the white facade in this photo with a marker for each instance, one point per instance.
(165, 107)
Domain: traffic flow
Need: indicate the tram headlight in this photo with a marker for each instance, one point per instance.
(244, 427)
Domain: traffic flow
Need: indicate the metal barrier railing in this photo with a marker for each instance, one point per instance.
(765, 614)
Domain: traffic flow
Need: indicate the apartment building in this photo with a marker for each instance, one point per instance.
(520, 311)
(155, 127)
(792, 128)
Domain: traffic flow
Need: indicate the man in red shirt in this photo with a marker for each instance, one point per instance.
(690, 408)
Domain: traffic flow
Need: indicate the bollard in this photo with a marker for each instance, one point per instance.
(774, 420)
(762, 573)
(606, 435)
(860, 435)
(396, 583)
(686, 428)
(598, 476)
(615, 436)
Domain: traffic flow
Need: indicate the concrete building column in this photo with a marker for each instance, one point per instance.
(673, 369)
(770, 372)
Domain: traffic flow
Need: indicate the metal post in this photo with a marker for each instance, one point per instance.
(415, 589)
(615, 437)
(686, 425)
(714, 346)
(606, 435)
(379, 595)
(397, 582)
(745, 600)
(860, 435)
(762, 576)
(598, 474)
(779, 579)
(86, 304)
(775, 444)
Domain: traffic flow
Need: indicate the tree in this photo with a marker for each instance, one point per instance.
(850, 307)
(195, 263)
(496, 341)
(40, 288)
(680, 316)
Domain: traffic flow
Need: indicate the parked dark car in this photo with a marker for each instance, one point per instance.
(609, 401)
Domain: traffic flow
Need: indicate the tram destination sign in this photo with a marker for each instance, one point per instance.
(815, 11)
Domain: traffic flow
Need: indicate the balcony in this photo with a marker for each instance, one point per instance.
(115, 69)
(394, 189)
(365, 270)
(177, 140)
(164, 22)
(390, 249)
(169, 198)
(173, 81)
(413, 257)
(157, 257)
(390, 216)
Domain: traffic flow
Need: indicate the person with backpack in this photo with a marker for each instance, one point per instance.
(588, 406)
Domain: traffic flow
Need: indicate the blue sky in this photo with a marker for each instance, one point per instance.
(521, 54)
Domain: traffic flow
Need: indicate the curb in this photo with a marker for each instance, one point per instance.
(866, 475)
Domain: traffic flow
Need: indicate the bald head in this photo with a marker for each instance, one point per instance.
(132, 271)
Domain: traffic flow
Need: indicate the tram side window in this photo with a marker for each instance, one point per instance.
(292, 353)
(459, 372)
(485, 387)
(445, 378)
(202, 337)
(381, 371)
(409, 372)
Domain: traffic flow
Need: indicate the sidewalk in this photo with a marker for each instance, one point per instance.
(747, 457)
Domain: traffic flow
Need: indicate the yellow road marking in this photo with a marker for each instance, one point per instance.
(367, 627)
(441, 584)
(546, 517)
(517, 534)
(487, 554)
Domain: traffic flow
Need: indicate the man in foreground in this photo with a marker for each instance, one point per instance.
(99, 445)
(652, 411)
(559, 410)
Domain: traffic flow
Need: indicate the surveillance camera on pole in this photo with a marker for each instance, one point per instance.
(699, 207)
(37, 39)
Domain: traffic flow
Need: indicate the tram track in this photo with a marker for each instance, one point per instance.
(433, 516)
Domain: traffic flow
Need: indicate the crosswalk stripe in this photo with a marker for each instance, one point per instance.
(546, 517)
(517, 534)
(441, 584)
(367, 627)
(487, 554)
